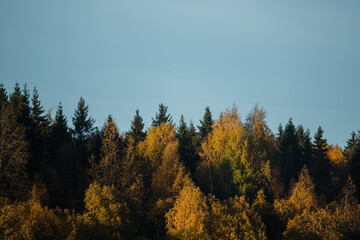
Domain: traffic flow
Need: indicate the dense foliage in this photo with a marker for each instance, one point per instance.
(225, 179)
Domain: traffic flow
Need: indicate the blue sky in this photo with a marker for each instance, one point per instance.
(298, 59)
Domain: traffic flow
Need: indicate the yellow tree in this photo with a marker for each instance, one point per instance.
(167, 182)
(233, 219)
(260, 144)
(186, 220)
(107, 170)
(152, 148)
(13, 156)
(106, 213)
(303, 197)
(224, 169)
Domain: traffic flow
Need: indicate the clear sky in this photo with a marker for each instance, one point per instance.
(298, 59)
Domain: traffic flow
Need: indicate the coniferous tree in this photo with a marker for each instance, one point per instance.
(288, 153)
(3, 97)
(320, 167)
(162, 116)
(136, 129)
(353, 155)
(38, 135)
(305, 146)
(83, 124)
(206, 124)
(186, 148)
(59, 128)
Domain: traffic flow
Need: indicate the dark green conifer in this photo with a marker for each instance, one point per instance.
(288, 153)
(136, 129)
(59, 130)
(3, 97)
(83, 124)
(320, 167)
(206, 124)
(162, 116)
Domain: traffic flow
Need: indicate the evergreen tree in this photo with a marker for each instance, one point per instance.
(3, 97)
(321, 165)
(136, 129)
(59, 129)
(186, 148)
(83, 124)
(288, 153)
(206, 124)
(38, 117)
(161, 116)
(305, 146)
(353, 155)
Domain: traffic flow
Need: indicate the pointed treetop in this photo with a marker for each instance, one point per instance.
(37, 111)
(206, 124)
(83, 124)
(3, 96)
(162, 116)
(136, 129)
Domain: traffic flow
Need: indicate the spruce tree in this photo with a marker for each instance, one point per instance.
(206, 124)
(136, 129)
(162, 116)
(83, 124)
(186, 148)
(59, 128)
(288, 153)
(353, 156)
(37, 115)
(305, 146)
(321, 165)
(3, 97)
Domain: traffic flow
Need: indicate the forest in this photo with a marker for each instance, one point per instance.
(229, 177)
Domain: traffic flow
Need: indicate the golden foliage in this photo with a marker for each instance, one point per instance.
(186, 220)
(303, 197)
(152, 148)
(234, 219)
(336, 156)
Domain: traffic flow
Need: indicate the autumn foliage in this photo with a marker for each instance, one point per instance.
(228, 178)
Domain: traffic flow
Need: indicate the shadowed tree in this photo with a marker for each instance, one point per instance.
(83, 123)
(186, 147)
(13, 156)
(162, 116)
(206, 124)
(136, 129)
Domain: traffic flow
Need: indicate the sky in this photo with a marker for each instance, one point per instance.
(297, 59)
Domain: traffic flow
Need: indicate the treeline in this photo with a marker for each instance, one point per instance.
(223, 179)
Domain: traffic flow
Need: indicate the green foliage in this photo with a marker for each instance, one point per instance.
(136, 128)
(206, 124)
(83, 124)
(162, 116)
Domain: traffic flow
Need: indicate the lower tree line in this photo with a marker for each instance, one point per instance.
(224, 179)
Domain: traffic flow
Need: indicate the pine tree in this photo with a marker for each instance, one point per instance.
(305, 146)
(83, 124)
(59, 128)
(3, 97)
(206, 124)
(288, 153)
(186, 148)
(136, 129)
(353, 155)
(320, 167)
(161, 116)
(38, 117)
